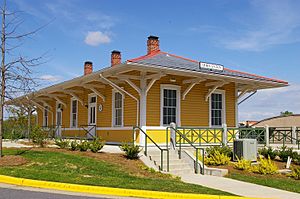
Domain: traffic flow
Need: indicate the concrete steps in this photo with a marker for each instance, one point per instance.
(176, 166)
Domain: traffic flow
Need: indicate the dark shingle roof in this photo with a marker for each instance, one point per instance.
(167, 60)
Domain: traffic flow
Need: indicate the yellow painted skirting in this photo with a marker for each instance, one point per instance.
(107, 190)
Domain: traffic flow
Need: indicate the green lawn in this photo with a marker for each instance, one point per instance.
(70, 168)
(287, 184)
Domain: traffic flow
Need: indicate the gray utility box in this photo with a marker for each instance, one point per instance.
(245, 148)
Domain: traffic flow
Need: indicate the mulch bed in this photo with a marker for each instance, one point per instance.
(232, 170)
(12, 160)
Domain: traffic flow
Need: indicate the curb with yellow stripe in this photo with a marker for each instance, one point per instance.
(108, 190)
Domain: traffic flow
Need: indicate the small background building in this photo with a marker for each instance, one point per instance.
(280, 121)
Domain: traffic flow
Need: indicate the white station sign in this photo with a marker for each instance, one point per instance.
(210, 66)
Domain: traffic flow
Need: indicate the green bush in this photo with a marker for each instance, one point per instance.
(295, 173)
(297, 160)
(38, 136)
(131, 150)
(74, 145)
(268, 152)
(217, 159)
(62, 144)
(84, 145)
(242, 164)
(265, 166)
(96, 145)
(285, 152)
(227, 151)
(13, 134)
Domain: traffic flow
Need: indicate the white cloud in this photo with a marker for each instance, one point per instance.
(50, 78)
(270, 103)
(96, 38)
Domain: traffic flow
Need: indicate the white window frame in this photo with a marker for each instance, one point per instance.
(222, 92)
(56, 110)
(113, 123)
(96, 109)
(178, 101)
(71, 113)
(46, 108)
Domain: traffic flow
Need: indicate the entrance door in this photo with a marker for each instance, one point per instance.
(92, 117)
(58, 122)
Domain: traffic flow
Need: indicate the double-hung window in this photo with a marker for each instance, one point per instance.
(169, 106)
(74, 113)
(216, 109)
(117, 109)
(45, 118)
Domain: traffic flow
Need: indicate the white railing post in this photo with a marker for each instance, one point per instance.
(267, 135)
(172, 136)
(224, 136)
(294, 137)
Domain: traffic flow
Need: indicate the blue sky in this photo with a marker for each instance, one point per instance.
(261, 37)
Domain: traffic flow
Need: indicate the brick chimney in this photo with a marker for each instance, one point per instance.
(152, 44)
(115, 58)
(88, 67)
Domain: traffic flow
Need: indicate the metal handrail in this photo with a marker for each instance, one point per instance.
(195, 147)
(145, 147)
(284, 131)
(257, 133)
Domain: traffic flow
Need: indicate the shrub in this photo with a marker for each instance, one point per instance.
(62, 144)
(84, 145)
(268, 152)
(285, 152)
(242, 164)
(131, 150)
(295, 173)
(74, 145)
(38, 136)
(96, 145)
(222, 150)
(297, 160)
(217, 159)
(13, 134)
(265, 166)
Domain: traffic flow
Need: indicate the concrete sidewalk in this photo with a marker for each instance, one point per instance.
(238, 187)
(14, 144)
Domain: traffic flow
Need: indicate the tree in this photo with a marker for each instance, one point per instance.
(16, 71)
(286, 113)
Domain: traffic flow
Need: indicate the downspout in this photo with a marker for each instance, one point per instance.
(124, 91)
(247, 97)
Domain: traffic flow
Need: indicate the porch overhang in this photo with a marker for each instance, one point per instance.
(118, 73)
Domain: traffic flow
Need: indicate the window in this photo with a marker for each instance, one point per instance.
(117, 109)
(170, 105)
(93, 99)
(45, 118)
(216, 109)
(92, 110)
(74, 113)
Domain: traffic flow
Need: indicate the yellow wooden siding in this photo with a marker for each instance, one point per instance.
(194, 109)
(120, 136)
(230, 104)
